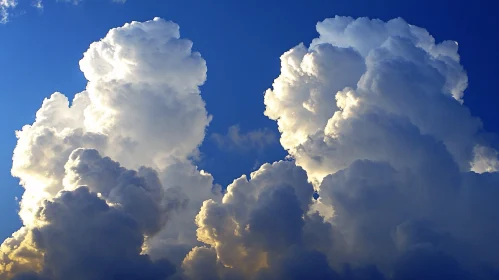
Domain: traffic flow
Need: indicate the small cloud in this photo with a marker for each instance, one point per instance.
(76, 2)
(5, 7)
(38, 4)
(244, 142)
(10, 7)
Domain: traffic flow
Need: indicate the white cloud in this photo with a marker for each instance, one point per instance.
(485, 159)
(7, 6)
(135, 98)
(142, 107)
(398, 69)
(38, 4)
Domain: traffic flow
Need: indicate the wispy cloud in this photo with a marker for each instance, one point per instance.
(235, 140)
(5, 7)
(76, 2)
(9, 6)
(38, 4)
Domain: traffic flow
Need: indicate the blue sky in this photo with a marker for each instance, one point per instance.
(241, 42)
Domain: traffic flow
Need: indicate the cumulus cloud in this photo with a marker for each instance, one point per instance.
(389, 176)
(95, 227)
(372, 114)
(82, 163)
(235, 140)
(120, 114)
(354, 75)
(84, 238)
(376, 108)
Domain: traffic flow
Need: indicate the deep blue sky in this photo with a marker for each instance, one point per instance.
(241, 41)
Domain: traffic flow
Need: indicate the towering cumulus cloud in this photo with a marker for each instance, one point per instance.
(371, 114)
(90, 209)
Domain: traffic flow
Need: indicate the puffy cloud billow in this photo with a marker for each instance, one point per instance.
(371, 114)
(108, 175)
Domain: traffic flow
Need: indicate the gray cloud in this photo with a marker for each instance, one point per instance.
(86, 239)
(235, 140)
(95, 228)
